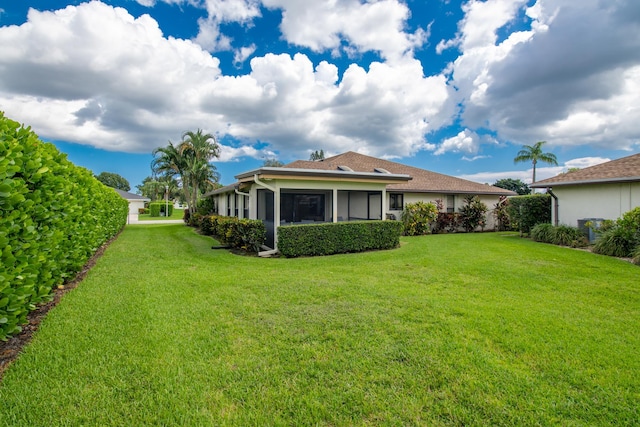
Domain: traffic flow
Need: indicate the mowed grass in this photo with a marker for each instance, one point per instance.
(175, 214)
(467, 329)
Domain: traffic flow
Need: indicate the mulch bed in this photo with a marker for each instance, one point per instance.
(10, 349)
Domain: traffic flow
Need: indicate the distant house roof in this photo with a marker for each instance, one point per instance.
(131, 197)
(626, 169)
(423, 181)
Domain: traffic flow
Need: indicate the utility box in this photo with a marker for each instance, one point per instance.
(589, 227)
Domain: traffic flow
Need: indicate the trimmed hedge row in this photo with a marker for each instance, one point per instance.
(155, 208)
(245, 234)
(527, 211)
(335, 238)
(53, 217)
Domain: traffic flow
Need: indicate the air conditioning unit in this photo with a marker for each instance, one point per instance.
(589, 227)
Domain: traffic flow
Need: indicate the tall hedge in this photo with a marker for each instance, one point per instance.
(53, 217)
(527, 211)
(158, 209)
(335, 238)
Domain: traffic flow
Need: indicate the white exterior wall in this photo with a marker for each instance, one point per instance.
(134, 205)
(488, 200)
(607, 201)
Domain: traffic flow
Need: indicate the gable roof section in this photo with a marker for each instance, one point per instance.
(626, 169)
(131, 197)
(423, 181)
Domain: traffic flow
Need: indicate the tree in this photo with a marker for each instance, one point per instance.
(514, 185)
(317, 155)
(189, 160)
(114, 180)
(534, 155)
(155, 188)
(272, 163)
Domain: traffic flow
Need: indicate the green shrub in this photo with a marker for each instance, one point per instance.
(636, 256)
(501, 215)
(246, 234)
(631, 219)
(335, 238)
(53, 217)
(542, 233)
(206, 206)
(158, 209)
(446, 222)
(417, 218)
(473, 214)
(618, 242)
(527, 211)
(565, 235)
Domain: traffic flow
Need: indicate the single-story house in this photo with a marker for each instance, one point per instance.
(346, 187)
(135, 202)
(604, 191)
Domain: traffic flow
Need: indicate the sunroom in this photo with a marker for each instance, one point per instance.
(287, 196)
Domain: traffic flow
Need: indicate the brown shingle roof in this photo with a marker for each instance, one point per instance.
(423, 180)
(626, 169)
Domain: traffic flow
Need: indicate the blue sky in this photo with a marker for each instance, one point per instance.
(453, 87)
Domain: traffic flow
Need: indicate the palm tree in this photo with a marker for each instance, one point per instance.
(534, 154)
(197, 149)
(190, 161)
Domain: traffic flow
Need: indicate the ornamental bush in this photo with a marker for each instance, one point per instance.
(246, 234)
(158, 209)
(417, 218)
(620, 238)
(53, 217)
(527, 211)
(542, 233)
(336, 238)
(473, 214)
(566, 235)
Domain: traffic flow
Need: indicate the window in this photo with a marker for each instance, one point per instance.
(451, 203)
(396, 201)
(245, 204)
(301, 207)
(228, 204)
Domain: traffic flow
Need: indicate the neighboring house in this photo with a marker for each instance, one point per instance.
(135, 202)
(604, 191)
(345, 187)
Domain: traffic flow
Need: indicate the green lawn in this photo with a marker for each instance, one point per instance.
(176, 214)
(466, 329)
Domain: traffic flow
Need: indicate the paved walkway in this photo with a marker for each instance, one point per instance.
(158, 221)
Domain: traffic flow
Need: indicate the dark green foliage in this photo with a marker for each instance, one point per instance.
(272, 162)
(335, 238)
(53, 217)
(542, 233)
(565, 235)
(246, 234)
(618, 241)
(501, 215)
(158, 209)
(620, 238)
(206, 206)
(473, 214)
(562, 235)
(114, 180)
(516, 185)
(631, 219)
(527, 211)
(418, 217)
(447, 222)
(636, 256)
(317, 155)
